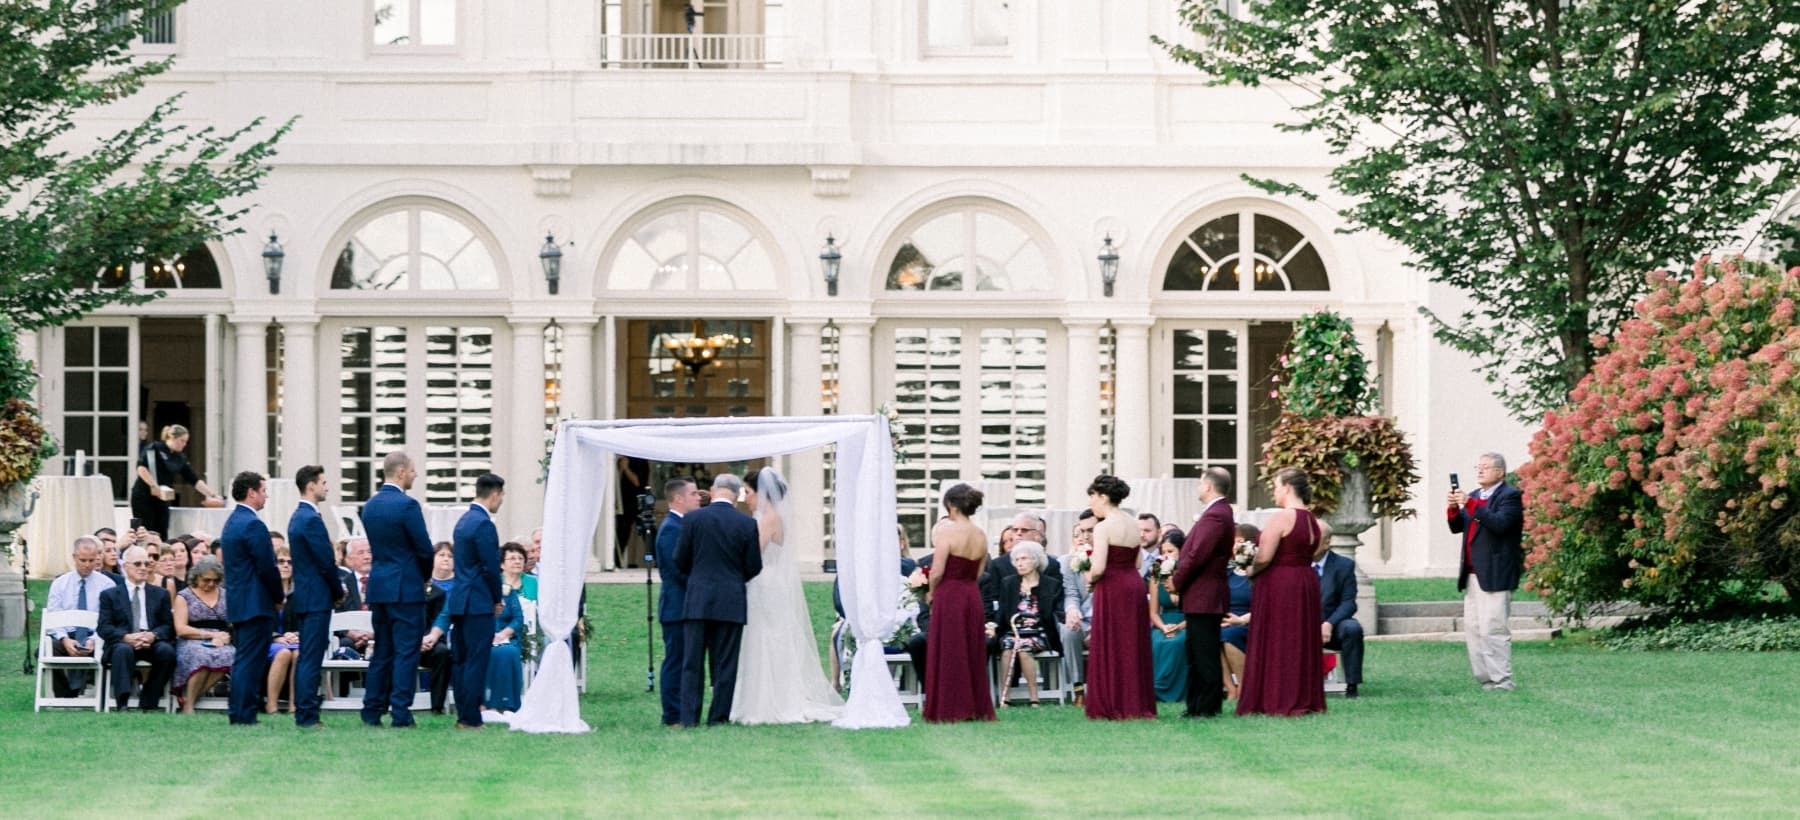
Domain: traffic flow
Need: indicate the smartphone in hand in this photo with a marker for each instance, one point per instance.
(1454, 484)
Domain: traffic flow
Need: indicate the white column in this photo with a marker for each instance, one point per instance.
(1131, 413)
(525, 500)
(300, 396)
(1081, 412)
(215, 401)
(855, 363)
(1367, 333)
(250, 401)
(805, 470)
(578, 369)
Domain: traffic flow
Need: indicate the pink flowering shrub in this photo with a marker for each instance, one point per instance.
(1668, 478)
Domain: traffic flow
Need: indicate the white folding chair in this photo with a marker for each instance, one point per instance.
(49, 663)
(1334, 680)
(107, 696)
(361, 621)
(348, 520)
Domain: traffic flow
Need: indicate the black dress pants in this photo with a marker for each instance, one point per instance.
(1206, 679)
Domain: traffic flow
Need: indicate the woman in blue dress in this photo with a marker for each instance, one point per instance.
(506, 666)
(1168, 631)
(1235, 634)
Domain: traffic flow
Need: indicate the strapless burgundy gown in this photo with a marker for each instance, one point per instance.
(956, 680)
(1120, 684)
(1284, 668)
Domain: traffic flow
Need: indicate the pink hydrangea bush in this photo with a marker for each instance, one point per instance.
(1668, 478)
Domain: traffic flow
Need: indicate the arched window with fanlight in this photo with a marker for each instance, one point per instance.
(415, 248)
(693, 245)
(975, 247)
(1246, 251)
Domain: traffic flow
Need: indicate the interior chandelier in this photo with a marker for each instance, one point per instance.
(699, 350)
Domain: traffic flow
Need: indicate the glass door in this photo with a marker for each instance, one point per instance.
(100, 397)
(1203, 393)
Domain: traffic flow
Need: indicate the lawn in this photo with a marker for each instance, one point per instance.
(1589, 732)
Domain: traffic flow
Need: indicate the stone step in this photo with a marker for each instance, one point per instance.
(1540, 633)
(1451, 609)
(1414, 625)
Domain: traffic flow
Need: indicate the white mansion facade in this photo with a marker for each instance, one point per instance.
(968, 159)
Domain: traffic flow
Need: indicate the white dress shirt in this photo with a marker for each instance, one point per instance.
(65, 595)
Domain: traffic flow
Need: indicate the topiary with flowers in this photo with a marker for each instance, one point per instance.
(1329, 426)
(1669, 477)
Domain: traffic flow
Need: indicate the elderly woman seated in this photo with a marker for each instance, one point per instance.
(506, 663)
(1030, 602)
(203, 653)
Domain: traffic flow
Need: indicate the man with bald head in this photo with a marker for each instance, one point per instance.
(401, 551)
(78, 588)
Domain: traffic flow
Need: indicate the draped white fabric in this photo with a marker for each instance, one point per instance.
(868, 547)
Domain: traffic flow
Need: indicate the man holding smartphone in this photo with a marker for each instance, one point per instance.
(1491, 522)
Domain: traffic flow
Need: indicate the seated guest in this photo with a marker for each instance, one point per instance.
(917, 644)
(506, 663)
(78, 588)
(355, 577)
(137, 625)
(1168, 631)
(277, 540)
(1339, 631)
(204, 655)
(1149, 542)
(201, 541)
(338, 548)
(528, 583)
(284, 648)
(434, 651)
(109, 555)
(168, 572)
(1078, 608)
(1030, 601)
(1234, 631)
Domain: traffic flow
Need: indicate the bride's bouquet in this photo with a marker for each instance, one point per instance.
(1084, 559)
(1243, 555)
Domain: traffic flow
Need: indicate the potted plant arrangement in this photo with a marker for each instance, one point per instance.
(24, 445)
(1360, 465)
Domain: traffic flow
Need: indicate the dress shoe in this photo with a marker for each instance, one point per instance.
(1350, 692)
(462, 725)
(374, 724)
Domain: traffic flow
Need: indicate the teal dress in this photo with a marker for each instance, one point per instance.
(506, 666)
(1168, 655)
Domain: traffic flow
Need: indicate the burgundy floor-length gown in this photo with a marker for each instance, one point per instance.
(1120, 684)
(956, 680)
(1284, 669)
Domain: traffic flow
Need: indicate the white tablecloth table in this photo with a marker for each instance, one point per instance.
(67, 507)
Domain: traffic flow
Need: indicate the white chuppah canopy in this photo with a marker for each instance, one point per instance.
(581, 467)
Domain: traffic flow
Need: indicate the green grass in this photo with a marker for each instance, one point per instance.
(1407, 590)
(1589, 732)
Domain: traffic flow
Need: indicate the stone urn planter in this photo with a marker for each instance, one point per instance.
(16, 503)
(1353, 517)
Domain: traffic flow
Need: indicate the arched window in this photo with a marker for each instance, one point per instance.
(415, 248)
(1246, 251)
(972, 248)
(693, 247)
(194, 270)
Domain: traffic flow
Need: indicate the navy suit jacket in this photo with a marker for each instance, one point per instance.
(317, 585)
(115, 614)
(1205, 560)
(250, 572)
(1497, 553)
(719, 553)
(400, 546)
(1337, 589)
(672, 598)
(477, 543)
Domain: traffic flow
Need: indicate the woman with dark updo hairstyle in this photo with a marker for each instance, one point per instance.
(1284, 672)
(1120, 684)
(956, 681)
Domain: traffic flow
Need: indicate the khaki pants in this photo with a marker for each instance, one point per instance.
(1489, 636)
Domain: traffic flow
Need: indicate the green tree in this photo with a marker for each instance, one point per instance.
(1538, 155)
(73, 204)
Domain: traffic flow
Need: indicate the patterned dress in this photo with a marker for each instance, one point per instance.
(191, 655)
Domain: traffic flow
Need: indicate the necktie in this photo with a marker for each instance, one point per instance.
(137, 609)
(362, 589)
(1319, 570)
(81, 595)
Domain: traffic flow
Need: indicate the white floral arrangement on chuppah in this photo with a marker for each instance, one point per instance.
(896, 428)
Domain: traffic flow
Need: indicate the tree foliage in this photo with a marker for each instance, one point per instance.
(1670, 478)
(1537, 155)
(73, 205)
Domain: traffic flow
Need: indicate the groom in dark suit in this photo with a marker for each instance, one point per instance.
(1205, 594)
(719, 553)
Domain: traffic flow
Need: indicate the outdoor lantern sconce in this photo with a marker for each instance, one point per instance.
(551, 258)
(831, 259)
(272, 255)
(1109, 265)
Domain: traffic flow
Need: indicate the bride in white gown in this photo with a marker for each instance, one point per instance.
(779, 677)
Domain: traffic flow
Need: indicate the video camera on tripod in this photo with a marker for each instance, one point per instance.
(646, 524)
(646, 530)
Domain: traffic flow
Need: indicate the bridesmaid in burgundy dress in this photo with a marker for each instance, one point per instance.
(956, 679)
(1284, 671)
(1120, 684)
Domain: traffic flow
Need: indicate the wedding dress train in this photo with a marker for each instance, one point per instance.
(780, 679)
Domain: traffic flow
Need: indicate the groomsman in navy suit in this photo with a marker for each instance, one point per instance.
(401, 547)
(683, 496)
(475, 598)
(719, 553)
(255, 592)
(317, 590)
